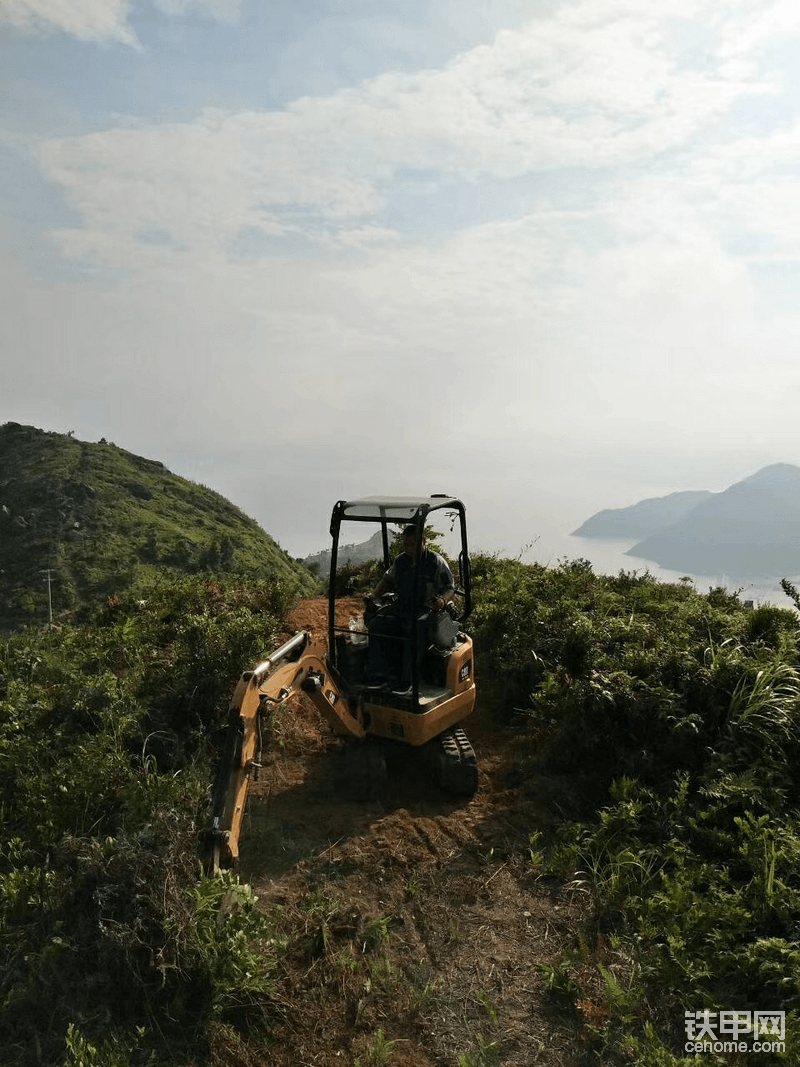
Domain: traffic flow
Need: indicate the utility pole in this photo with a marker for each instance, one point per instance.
(49, 597)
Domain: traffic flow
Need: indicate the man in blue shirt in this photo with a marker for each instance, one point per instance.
(424, 585)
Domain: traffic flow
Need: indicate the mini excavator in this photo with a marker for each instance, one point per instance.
(332, 669)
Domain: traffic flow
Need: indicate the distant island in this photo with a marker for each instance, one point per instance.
(354, 555)
(751, 529)
(644, 518)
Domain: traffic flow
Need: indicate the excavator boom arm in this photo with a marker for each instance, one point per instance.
(257, 694)
(299, 663)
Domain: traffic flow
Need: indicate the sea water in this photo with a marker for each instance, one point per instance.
(610, 557)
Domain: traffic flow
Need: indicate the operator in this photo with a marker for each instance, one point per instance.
(423, 582)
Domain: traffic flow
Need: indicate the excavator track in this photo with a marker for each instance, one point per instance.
(457, 768)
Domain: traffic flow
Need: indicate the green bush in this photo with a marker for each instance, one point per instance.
(106, 759)
(677, 718)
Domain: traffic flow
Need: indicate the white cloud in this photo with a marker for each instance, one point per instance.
(755, 25)
(620, 325)
(364, 237)
(203, 182)
(222, 10)
(102, 21)
(593, 86)
(749, 187)
(552, 94)
(89, 20)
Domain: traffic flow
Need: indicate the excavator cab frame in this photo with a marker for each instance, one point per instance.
(401, 512)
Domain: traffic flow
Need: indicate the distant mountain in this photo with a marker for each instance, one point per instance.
(644, 518)
(751, 529)
(99, 518)
(320, 562)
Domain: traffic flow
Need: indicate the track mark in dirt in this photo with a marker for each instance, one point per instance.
(423, 918)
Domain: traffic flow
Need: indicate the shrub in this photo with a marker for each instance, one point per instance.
(105, 763)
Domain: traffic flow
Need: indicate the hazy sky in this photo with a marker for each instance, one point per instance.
(541, 255)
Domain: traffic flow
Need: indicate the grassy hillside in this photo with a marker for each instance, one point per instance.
(106, 757)
(657, 729)
(102, 520)
(669, 726)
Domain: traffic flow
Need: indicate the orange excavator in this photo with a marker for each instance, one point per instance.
(333, 670)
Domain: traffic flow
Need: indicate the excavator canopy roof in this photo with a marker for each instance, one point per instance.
(394, 508)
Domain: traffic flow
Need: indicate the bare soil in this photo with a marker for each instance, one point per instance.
(423, 920)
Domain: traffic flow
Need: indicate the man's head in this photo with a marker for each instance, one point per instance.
(410, 542)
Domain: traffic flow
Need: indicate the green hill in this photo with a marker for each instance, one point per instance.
(630, 861)
(102, 520)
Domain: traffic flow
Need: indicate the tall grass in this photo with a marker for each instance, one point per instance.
(675, 719)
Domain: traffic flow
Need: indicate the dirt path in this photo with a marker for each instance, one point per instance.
(422, 921)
